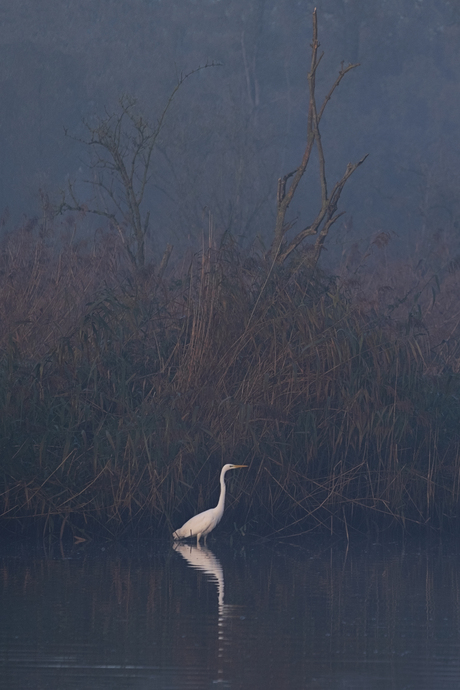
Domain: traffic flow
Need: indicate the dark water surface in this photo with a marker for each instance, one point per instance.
(270, 616)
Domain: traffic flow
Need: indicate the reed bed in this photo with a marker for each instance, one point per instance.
(122, 395)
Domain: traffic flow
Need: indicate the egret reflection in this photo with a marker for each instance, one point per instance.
(202, 558)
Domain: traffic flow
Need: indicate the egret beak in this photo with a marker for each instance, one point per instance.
(236, 466)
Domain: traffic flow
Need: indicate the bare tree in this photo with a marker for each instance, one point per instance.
(327, 215)
(122, 145)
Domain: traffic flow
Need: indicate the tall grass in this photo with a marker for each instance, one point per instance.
(122, 395)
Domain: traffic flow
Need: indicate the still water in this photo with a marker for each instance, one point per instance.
(276, 616)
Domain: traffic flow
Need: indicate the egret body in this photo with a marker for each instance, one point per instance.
(203, 523)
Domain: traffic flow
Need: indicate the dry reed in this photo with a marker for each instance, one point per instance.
(122, 395)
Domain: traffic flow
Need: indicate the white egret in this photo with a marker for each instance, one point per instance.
(203, 523)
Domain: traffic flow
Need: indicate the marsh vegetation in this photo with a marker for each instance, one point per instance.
(123, 392)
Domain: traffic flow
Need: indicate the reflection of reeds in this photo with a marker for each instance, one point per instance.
(137, 606)
(122, 395)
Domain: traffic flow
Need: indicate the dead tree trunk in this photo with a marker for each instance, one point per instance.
(327, 215)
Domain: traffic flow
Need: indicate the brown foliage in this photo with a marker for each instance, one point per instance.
(124, 393)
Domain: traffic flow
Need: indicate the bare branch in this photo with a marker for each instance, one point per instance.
(122, 144)
(328, 97)
(327, 215)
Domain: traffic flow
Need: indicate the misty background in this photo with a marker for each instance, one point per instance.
(234, 129)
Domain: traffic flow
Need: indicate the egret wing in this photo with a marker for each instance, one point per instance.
(198, 524)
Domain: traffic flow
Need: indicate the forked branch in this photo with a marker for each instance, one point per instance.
(327, 215)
